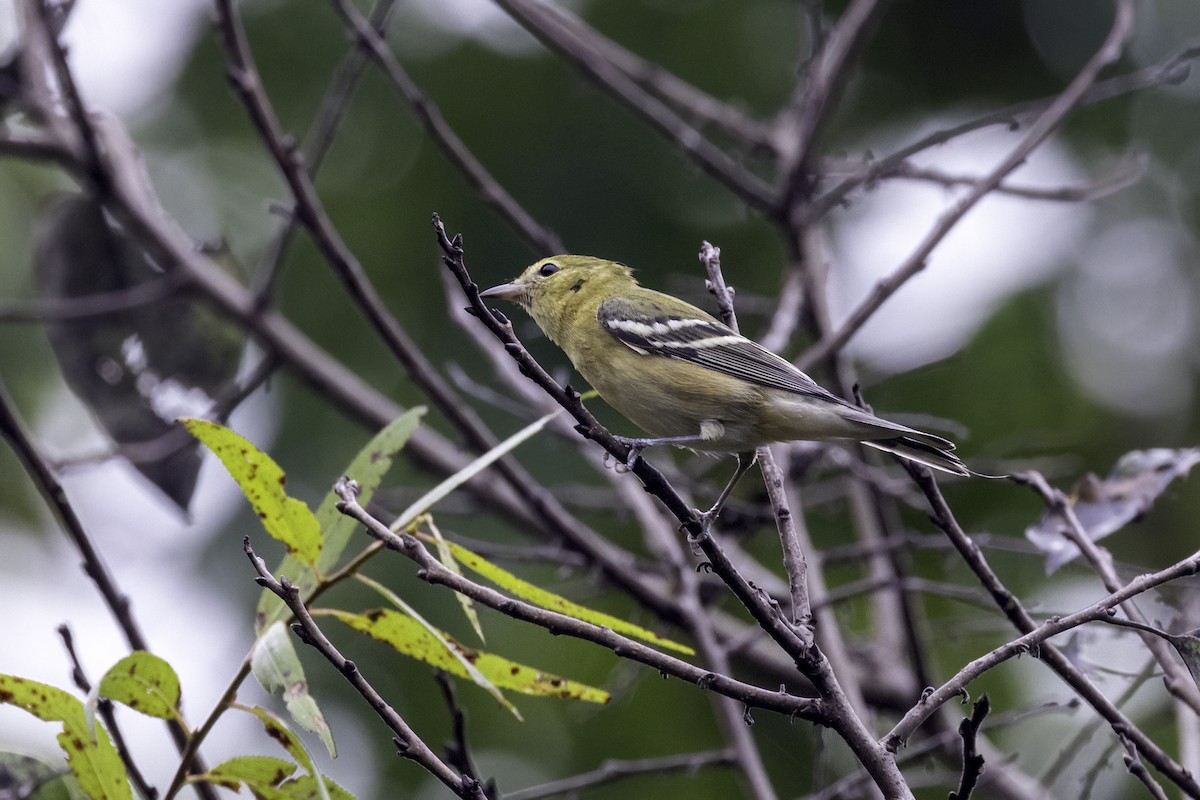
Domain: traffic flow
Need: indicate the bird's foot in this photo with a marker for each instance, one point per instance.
(636, 446)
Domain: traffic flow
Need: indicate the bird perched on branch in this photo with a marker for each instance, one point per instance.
(689, 380)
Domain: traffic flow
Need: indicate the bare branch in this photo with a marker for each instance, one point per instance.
(541, 239)
(408, 742)
(689, 141)
(1042, 127)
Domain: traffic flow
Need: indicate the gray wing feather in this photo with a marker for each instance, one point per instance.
(674, 336)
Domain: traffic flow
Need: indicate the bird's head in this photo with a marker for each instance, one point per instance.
(556, 279)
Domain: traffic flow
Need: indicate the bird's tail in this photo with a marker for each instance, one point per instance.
(930, 455)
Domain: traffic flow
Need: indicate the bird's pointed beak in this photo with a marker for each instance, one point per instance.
(515, 292)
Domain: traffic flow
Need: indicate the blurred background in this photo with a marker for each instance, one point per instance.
(1044, 332)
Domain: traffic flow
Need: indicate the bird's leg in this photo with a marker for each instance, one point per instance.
(636, 445)
(745, 462)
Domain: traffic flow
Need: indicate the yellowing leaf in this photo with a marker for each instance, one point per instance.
(92, 759)
(368, 469)
(145, 683)
(254, 771)
(277, 730)
(446, 556)
(261, 480)
(472, 672)
(410, 638)
(553, 602)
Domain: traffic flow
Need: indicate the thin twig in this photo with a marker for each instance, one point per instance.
(614, 770)
(13, 430)
(432, 571)
(1042, 127)
(1172, 70)
(1176, 677)
(104, 707)
(972, 761)
(1020, 618)
(316, 145)
(543, 240)
(687, 140)
(408, 743)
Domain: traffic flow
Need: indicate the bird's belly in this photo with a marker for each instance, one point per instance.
(684, 399)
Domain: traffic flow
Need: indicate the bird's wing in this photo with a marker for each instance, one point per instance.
(704, 341)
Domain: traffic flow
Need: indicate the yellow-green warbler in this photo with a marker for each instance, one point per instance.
(687, 379)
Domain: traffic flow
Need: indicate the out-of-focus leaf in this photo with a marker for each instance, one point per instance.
(368, 469)
(1104, 506)
(44, 781)
(410, 638)
(145, 683)
(287, 519)
(1188, 646)
(277, 667)
(548, 600)
(139, 366)
(90, 753)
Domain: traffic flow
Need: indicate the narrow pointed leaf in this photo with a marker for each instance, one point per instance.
(368, 469)
(261, 480)
(437, 493)
(276, 729)
(410, 638)
(446, 556)
(553, 602)
(277, 667)
(472, 672)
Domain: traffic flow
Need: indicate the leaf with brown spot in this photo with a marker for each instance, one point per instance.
(277, 667)
(145, 683)
(410, 638)
(92, 758)
(367, 468)
(287, 519)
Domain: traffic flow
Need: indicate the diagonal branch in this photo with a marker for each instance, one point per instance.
(604, 73)
(489, 189)
(408, 742)
(1043, 126)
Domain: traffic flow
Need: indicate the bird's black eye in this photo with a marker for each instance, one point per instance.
(548, 269)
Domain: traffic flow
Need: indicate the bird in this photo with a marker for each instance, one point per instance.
(687, 379)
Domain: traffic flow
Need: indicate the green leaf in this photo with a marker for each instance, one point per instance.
(263, 771)
(145, 683)
(368, 469)
(261, 480)
(410, 638)
(437, 493)
(92, 758)
(553, 602)
(282, 734)
(446, 556)
(277, 667)
(472, 672)
(271, 779)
